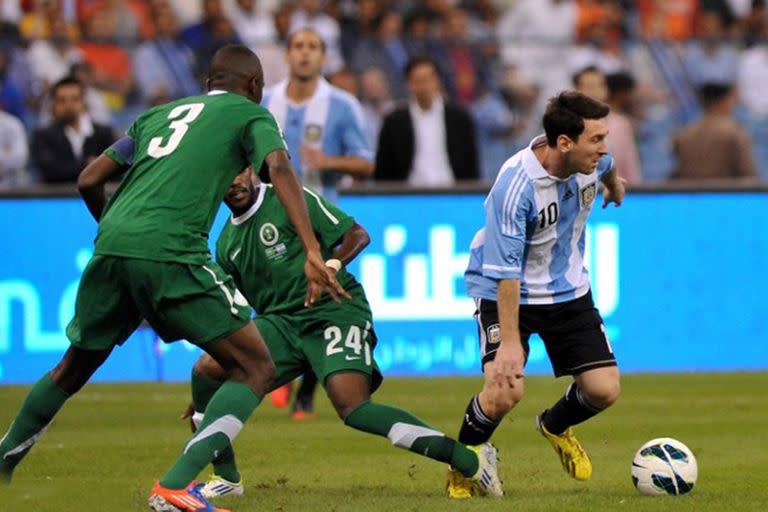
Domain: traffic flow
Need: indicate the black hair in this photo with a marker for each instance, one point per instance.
(566, 113)
(64, 82)
(712, 93)
(419, 60)
(619, 82)
(577, 76)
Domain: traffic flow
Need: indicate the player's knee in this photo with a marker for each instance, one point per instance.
(603, 394)
(497, 403)
(263, 374)
(343, 409)
(208, 367)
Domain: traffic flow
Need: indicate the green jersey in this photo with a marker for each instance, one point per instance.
(186, 154)
(262, 252)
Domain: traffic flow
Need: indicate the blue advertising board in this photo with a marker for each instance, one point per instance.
(678, 279)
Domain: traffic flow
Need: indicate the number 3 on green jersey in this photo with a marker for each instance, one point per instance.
(187, 113)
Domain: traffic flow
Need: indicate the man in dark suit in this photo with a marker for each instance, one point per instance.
(428, 142)
(63, 149)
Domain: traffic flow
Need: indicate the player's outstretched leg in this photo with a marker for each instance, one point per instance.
(249, 371)
(42, 403)
(207, 378)
(591, 393)
(350, 395)
(481, 418)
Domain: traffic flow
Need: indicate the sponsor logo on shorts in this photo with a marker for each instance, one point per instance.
(494, 334)
(351, 358)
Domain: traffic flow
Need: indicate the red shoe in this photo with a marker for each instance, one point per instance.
(301, 415)
(181, 500)
(281, 396)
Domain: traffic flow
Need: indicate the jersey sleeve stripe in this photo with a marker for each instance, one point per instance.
(511, 203)
(322, 206)
(500, 268)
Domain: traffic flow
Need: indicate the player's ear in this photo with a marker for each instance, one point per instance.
(564, 143)
(256, 88)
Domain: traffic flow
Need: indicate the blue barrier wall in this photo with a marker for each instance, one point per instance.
(679, 279)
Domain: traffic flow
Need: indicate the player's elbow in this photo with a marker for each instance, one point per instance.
(362, 236)
(87, 181)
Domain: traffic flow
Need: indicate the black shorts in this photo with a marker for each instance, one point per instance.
(573, 333)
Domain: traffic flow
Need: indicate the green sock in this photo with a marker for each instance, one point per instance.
(40, 406)
(407, 431)
(225, 415)
(203, 389)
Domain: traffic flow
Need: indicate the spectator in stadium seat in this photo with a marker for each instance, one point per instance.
(95, 105)
(11, 95)
(111, 63)
(200, 34)
(753, 75)
(254, 29)
(50, 59)
(715, 146)
(273, 56)
(385, 50)
(466, 68)
(357, 25)
(621, 133)
(429, 142)
(710, 58)
(376, 101)
(163, 65)
(14, 152)
(63, 149)
(500, 118)
(38, 23)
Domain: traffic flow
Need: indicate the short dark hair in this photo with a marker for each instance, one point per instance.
(566, 113)
(64, 82)
(289, 40)
(712, 93)
(583, 71)
(620, 81)
(420, 60)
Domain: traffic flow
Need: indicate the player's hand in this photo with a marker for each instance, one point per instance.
(615, 192)
(507, 368)
(321, 278)
(312, 158)
(187, 414)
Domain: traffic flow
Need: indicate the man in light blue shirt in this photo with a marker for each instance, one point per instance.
(323, 125)
(527, 275)
(324, 131)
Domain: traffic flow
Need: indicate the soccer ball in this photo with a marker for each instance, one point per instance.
(664, 466)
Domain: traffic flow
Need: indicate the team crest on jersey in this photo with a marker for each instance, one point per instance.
(587, 195)
(313, 132)
(269, 234)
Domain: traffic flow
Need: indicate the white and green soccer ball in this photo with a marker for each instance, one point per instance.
(664, 466)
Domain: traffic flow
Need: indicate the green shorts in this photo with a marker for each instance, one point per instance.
(329, 338)
(199, 303)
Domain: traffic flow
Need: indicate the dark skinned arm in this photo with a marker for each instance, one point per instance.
(352, 243)
(291, 195)
(90, 183)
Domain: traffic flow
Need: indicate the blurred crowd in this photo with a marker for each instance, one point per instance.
(686, 79)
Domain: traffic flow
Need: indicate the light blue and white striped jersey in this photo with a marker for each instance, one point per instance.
(342, 134)
(534, 231)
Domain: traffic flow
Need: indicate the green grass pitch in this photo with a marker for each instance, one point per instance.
(111, 441)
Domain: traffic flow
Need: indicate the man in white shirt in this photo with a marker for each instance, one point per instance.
(429, 142)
